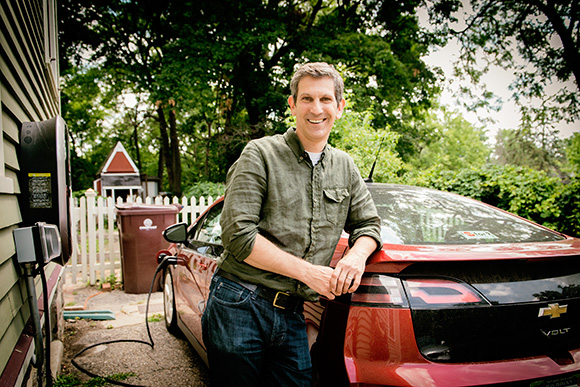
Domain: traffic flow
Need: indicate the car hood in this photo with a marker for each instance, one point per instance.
(394, 258)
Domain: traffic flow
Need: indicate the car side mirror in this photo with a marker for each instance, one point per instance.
(176, 233)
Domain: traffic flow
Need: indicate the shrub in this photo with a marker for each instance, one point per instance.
(205, 189)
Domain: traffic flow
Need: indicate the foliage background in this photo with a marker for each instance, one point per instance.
(184, 85)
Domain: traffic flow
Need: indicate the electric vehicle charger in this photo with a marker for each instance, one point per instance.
(167, 260)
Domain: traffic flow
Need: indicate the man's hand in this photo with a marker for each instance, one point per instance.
(318, 279)
(324, 280)
(349, 270)
(266, 256)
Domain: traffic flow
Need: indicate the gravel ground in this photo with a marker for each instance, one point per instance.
(172, 361)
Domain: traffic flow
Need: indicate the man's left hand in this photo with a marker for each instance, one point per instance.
(347, 275)
(349, 270)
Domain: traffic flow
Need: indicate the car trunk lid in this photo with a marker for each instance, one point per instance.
(474, 311)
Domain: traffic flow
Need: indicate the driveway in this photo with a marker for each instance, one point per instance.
(172, 361)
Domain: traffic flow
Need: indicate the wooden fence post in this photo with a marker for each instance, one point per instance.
(91, 195)
(84, 255)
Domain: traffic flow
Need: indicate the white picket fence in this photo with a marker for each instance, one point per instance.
(96, 249)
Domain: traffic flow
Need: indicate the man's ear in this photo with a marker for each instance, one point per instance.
(341, 106)
(291, 104)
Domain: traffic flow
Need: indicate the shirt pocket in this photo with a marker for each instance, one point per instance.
(336, 204)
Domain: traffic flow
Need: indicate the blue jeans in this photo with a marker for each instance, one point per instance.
(250, 342)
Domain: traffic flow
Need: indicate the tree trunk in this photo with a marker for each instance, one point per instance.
(165, 146)
(207, 149)
(136, 142)
(161, 167)
(571, 54)
(175, 155)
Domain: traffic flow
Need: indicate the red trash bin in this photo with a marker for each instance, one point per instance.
(140, 233)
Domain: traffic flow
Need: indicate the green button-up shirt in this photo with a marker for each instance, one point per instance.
(274, 190)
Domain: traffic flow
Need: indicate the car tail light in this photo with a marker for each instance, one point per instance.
(380, 290)
(430, 292)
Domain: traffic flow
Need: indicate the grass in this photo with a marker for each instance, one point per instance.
(73, 380)
(155, 317)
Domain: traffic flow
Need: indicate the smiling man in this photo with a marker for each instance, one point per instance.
(288, 198)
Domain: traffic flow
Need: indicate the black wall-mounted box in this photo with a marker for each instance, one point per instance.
(45, 180)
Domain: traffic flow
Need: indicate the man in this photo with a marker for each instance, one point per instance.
(288, 198)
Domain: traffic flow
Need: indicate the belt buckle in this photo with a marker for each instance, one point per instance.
(276, 300)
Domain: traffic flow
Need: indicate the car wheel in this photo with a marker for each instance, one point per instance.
(169, 302)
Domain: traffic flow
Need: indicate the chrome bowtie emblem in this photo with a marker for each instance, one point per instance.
(553, 310)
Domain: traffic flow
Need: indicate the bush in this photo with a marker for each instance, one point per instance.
(567, 202)
(205, 189)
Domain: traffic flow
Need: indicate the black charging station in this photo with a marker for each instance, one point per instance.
(45, 178)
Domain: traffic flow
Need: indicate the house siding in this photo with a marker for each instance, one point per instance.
(28, 92)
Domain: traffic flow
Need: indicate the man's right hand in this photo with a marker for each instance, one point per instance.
(318, 279)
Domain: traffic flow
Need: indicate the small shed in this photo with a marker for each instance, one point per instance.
(120, 177)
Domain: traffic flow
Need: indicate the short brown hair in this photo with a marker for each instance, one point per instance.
(317, 70)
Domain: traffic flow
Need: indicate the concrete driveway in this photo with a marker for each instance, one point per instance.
(172, 361)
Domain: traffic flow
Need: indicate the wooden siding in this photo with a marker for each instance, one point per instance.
(28, 92)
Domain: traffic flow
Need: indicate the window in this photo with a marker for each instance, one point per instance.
(415, 216)
(205, 237)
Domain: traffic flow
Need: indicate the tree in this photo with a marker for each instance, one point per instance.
(542, 151)
(84, 108)
(373, 150)
(217, 72)
(545, 35)
(573, 153)
(127, 39)
(459, 144)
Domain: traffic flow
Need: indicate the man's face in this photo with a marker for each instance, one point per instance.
(315, 110)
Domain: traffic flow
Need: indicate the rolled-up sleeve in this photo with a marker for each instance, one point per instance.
(245, 190)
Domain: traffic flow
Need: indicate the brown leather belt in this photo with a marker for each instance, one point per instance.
(279, 299)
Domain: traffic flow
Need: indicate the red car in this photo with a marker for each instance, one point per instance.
(462, 294)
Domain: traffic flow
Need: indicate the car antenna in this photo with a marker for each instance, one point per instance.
(370, 178)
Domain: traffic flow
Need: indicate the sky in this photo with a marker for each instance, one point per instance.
(496, 81)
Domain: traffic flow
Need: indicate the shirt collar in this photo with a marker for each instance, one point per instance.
(296, 146)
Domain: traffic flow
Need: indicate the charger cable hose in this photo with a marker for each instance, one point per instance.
(167, 260)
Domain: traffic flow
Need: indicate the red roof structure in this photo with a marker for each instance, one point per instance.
(119, 176)
(119, 161)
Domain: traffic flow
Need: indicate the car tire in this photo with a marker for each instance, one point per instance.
(169, 302)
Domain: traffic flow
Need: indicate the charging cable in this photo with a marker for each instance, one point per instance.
(167, 260)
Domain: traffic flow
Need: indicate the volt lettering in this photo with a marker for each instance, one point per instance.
(555, 332)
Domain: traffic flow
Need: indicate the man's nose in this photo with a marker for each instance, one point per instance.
(317, 107)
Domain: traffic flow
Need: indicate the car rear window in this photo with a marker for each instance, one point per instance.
(414, 215)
